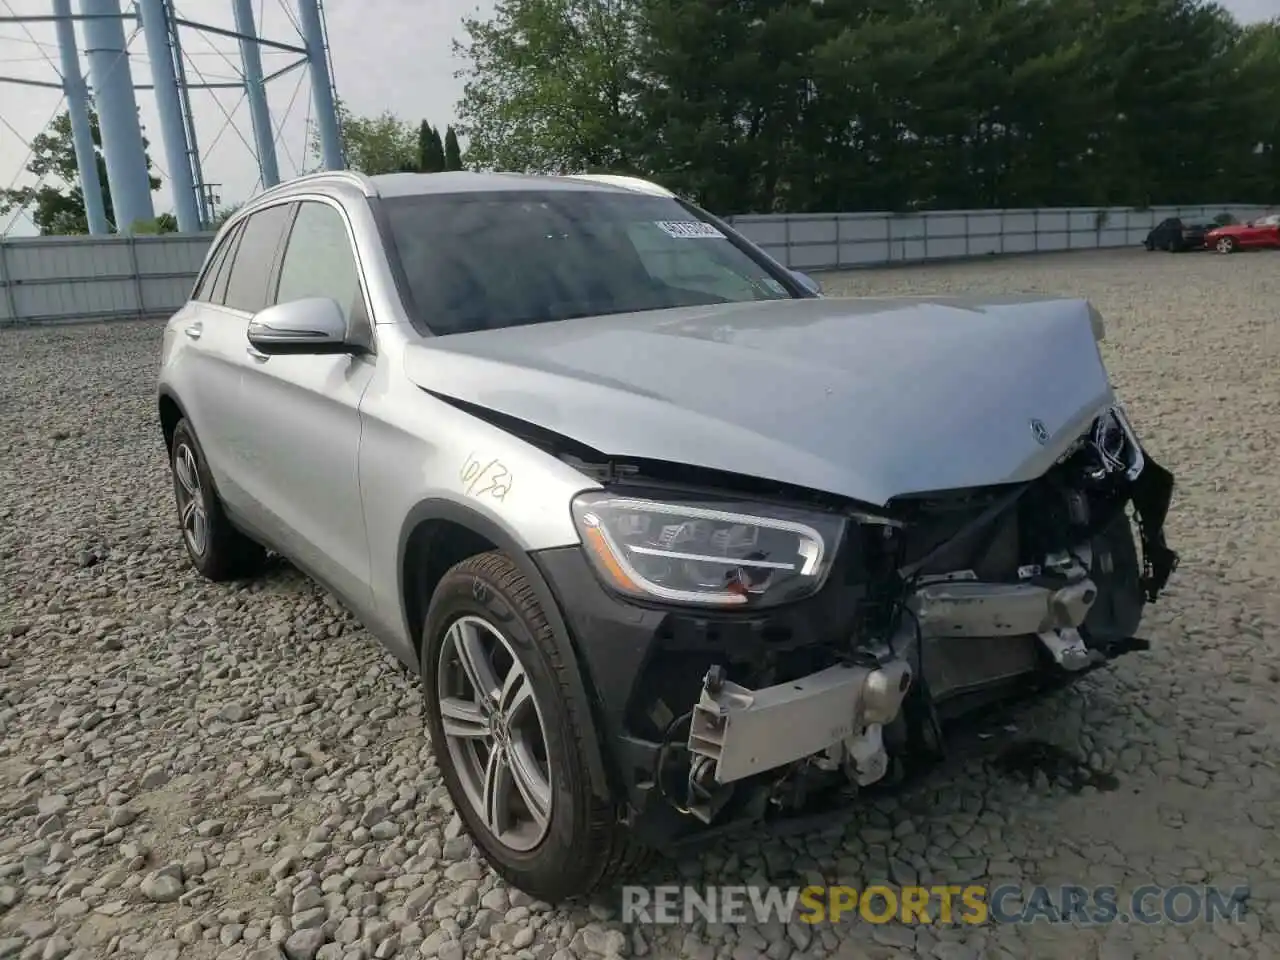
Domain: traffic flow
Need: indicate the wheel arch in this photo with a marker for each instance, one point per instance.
(437, 534)
(171, 412)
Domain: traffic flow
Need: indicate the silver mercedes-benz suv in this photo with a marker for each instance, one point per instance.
(676, 543)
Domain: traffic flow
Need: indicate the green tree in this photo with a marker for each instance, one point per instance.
(223, 214)
(452, 153)
(550, 84)
(431, 158)
(764, 105)
(374, 145)
(1255, 75)
(58, 206)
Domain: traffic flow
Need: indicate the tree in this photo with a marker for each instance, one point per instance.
(431, 158)
(58, 207)
(223, 214)
(550, 84)
(452, 153)
(374, 145)
(766, 105)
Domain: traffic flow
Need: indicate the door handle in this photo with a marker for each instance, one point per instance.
(257, 354)
(194, 331)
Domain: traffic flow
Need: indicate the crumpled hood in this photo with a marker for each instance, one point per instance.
(867, 399)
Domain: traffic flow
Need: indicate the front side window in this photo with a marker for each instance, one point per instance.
(254, 258)
(486, 260)
(319, 261)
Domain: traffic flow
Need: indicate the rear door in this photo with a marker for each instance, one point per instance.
(197, 376)
(212, 328)
(301, 427)
(239, 291)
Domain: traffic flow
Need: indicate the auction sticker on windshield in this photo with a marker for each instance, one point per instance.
(689, 229)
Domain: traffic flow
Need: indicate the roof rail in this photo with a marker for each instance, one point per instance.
(358, 180)
(634, 184)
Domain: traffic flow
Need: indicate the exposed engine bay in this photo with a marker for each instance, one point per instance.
(938, 605)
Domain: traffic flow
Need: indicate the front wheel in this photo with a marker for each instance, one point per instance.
(1225, 245)
(507, 738)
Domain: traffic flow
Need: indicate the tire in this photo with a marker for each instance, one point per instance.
(1226, 245)
(579, 846)
(223, 552)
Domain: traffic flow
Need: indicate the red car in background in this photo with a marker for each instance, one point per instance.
(1264, 232)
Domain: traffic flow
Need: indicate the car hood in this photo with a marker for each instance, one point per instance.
(1229, 229)
(865, 399)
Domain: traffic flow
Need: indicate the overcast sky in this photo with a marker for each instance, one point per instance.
(388, 54)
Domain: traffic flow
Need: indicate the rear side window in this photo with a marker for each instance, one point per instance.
(254, 258)
(219, 292)
(319, 261)
(204, 287)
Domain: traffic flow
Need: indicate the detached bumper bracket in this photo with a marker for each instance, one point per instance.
(1152, 494)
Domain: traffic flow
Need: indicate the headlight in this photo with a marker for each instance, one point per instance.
(1115, 444)
(706, 552)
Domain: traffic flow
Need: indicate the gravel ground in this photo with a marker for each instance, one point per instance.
(199, 771)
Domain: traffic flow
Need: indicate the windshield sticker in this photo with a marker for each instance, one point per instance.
(689, 230)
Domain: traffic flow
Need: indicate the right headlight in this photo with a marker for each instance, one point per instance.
(1115, 443)
(704, 552)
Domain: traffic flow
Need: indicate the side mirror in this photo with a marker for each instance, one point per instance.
(806, 281)
(312, 325)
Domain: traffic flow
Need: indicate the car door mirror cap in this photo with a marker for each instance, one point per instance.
(312, 325)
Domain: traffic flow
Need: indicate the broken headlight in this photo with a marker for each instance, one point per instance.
(1114, 446)
(706, 552)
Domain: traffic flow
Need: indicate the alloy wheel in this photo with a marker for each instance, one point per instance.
(1225, 245)
(494, 732)
(191, 506)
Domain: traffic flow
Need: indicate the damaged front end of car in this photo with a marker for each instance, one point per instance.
(759, 653)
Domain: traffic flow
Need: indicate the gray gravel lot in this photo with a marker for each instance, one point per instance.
(199, 771)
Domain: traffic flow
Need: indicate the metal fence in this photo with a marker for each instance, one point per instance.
(844, 240)
(61, 279)
(68, 279)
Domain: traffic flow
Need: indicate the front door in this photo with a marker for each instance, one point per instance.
(301, 428)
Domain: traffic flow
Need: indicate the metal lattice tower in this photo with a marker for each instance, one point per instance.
(106, 52)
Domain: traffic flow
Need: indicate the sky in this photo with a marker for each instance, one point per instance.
(387, 54)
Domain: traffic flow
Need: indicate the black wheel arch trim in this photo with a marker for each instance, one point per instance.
(165, 393)
(463, 516)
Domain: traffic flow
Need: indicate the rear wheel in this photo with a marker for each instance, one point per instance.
(216, 548)
(507, 739)
(1226, 245)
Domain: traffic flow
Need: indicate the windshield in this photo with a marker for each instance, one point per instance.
(482, 261)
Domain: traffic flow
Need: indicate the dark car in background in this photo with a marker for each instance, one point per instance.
(1176, 235)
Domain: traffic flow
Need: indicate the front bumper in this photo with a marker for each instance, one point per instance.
(645, 668)
(791, 694)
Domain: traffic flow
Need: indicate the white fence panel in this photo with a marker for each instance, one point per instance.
(61, 279)
(66, 279)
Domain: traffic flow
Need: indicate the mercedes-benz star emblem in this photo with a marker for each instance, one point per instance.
(1040, 431)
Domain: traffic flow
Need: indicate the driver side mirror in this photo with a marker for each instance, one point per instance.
(313, 325)
(806, 281)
